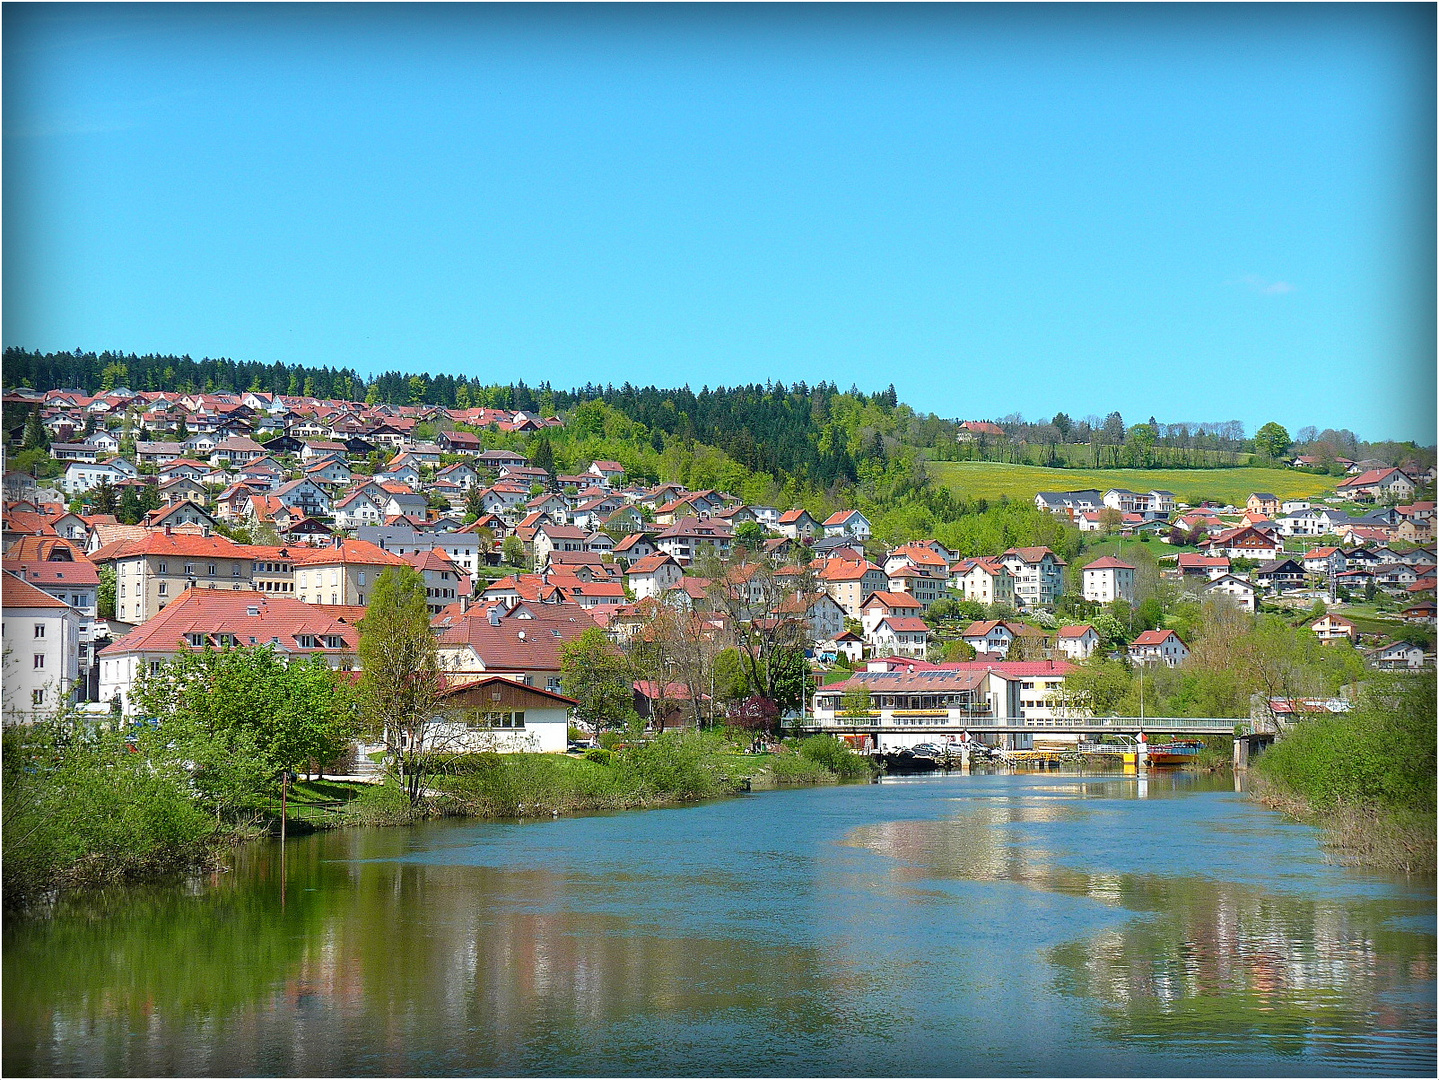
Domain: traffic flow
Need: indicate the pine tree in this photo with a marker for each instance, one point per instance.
(36, 437)
(129, 512)
(544, 456)
(103, 499)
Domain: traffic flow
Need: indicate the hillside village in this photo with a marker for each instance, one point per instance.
(266, 519)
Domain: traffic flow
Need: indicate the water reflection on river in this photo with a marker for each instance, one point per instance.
(946, 925)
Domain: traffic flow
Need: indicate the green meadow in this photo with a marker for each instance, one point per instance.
(992, 479)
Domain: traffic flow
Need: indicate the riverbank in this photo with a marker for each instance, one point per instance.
(83, 814)
(666, 771)
(1366, 777)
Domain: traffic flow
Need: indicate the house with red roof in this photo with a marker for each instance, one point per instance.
(900, 635)
(1076, 642)
(521, 641)
(848, 523)
(343, 572)
(1038, 574)
(798, 525)
(1378, 485)
(1158, 647)
(1109, 579)
(201, 618)
(154, 569)
(849, 581)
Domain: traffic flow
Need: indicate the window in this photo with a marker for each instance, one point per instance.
(482, 720)
(164, 588)
(164, 568)
(362, 578)
(212, 570)
(37, 697)
(189, 569)
(39, 630)
(235, 570)
(39, 661)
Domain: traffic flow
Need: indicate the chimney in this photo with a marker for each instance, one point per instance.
(464, 604)
(494, 615)
(168, 531)
(204, 530)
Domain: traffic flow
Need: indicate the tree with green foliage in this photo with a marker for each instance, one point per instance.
(35, 437)
(182, 431)
(731, 685)
(129, 511)
(400, 677)
(601, 680)
(789, 679)
(856, 702)
(475, 502)
(750, 534)
(512, 551)
(243, 716)
(83, 808)
(1272, 440)
(105, 595)
(103, 499)
(544, 455)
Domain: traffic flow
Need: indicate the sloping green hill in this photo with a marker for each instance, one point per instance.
(990, 480)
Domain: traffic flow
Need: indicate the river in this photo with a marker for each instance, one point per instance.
(949, 925)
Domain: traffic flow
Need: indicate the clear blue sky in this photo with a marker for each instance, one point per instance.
(1197, 212)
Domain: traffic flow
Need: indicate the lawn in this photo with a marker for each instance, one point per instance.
(991, 479)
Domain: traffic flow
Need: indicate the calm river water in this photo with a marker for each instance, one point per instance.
(987, 924)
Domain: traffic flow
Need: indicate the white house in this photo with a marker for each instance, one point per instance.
(1109, 579)
(1076, 642)
(41, 637)
(847, 523)
(1236, 588)
(653, 575)
(1158, 647)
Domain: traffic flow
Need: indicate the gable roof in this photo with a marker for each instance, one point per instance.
(16, 593)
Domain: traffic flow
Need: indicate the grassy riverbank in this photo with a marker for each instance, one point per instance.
(1366, 777)
(668, 770)
(85, 808)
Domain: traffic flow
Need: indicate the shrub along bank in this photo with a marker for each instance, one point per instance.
(668, 769)
(85, 806)
(1367, 776)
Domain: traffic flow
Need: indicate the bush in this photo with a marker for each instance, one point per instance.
(679, 766)
(798, 769)
(82, 808)
(1380, 753)
(599, 755)
(835, 755)
(381, 804)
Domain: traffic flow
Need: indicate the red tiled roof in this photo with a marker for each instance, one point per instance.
(892, 599)
(1155, 637)
(174, 543)
(221, 611)
(1110, 562)
(905, 624)
(1075, 631)
(548, 627)
(16, 593)
(1034, 554)
(357, 552)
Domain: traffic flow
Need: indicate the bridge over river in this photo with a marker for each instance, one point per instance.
(976, 726)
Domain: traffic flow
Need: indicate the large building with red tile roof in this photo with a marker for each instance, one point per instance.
(153, 569)
(202, 618)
